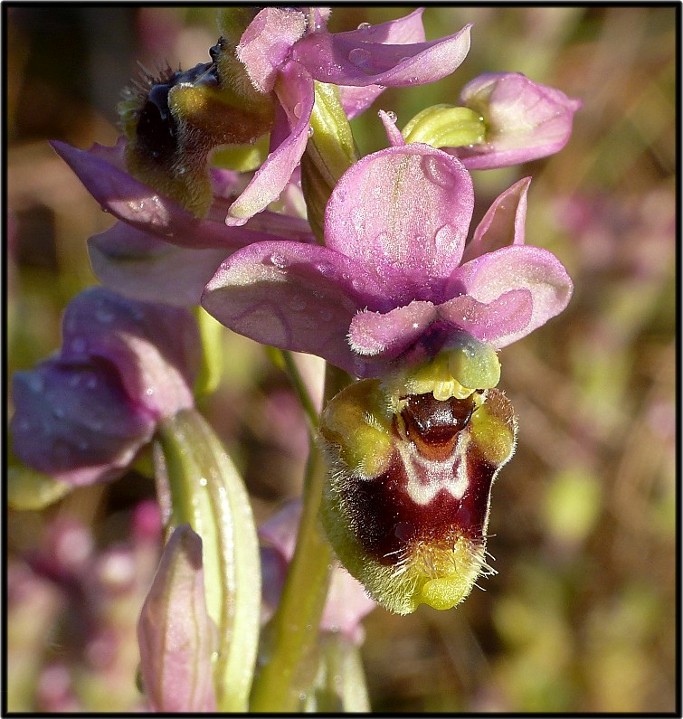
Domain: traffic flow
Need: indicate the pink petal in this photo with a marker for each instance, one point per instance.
(503, 224)
(139, 265)
(295, 93)
(266, 43)
(519, 267)
(139, 205)
(489, 322)
(356, 100)
(403, 213)
(292, 296)
(389, 334)
(357, 58)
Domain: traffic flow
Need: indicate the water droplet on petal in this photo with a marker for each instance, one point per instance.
(364, 26)
(445, 235)
(310, 131)
(203, 482)
(438, 171)
(391, 115)
(149, 391)
(279, 261)
(297, 110)
(360, 57)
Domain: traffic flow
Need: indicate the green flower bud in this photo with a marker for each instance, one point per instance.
(446, 126)
(406, 506)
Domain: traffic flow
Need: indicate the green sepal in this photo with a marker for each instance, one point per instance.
(241, 158)
(207, 492)
(446, 126)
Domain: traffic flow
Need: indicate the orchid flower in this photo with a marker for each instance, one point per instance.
(396, 280)
(124, 366)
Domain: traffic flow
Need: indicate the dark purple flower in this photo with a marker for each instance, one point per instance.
(395, 281)
(82, 415)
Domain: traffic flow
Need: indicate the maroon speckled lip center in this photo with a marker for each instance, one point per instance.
(388, 521)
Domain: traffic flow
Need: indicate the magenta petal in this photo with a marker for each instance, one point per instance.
(154, 347)
(295, 92)
(139, 205)
(503, 224)
(535, 269)
(489, 322)
(265, 44)
(403, 212)
(389, 334)
(75, 422)
(141, 266)
(296, 297)
(354, 58)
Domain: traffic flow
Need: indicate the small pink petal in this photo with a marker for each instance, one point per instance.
(503, 224)
(389, 334)
(519, 267)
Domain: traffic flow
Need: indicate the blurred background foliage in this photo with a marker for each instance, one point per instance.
(581, 617)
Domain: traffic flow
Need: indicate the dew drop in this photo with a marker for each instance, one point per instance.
(360, 57)
(203, 482)
(445, 236)
(364, 26)
(279, 261)
(437, 171)
(297, 110)
(310, 131)
(391, 115)
(149, 391)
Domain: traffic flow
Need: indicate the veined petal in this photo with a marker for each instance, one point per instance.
(295, 92)
(355, 58)
(403, 211)
(292, 296)
(535, 269)
(139, 205)
(503, 224)
(389, 334)
(141, 266)
(265, 44)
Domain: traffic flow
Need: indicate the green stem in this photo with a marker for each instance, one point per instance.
(290, 657)
(301, 390)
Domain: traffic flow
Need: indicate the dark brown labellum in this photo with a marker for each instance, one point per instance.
(432, 425)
